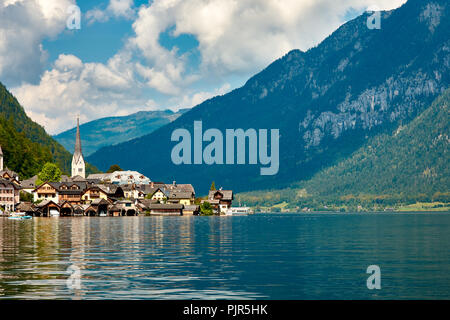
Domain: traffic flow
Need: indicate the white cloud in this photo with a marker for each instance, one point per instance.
(236, 39)
(91, 89)
(116, 8)
(241, 35)
(23, 26)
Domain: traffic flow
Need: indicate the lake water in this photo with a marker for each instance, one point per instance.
(276, 256)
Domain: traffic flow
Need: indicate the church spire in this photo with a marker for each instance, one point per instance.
(78, 151)
(78, 165)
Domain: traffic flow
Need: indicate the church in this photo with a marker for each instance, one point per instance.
(78, 164)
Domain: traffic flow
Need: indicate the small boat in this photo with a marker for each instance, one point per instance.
(19, 216)
(239, 211)
(103, 214)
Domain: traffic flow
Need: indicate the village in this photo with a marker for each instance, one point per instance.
(115, 194)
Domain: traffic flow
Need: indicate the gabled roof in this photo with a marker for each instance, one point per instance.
(46, 203)
(6, 184)
(29, 183)
(180, 195)
(179, 188)
(226, 194)
(25, 207)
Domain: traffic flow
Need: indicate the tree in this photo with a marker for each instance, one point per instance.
(49, 173)
(114, 168)
(213, 186)
(206, 209)
(25, 197)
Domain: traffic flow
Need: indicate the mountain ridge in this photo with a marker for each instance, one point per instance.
(327, 102)
(113, 130)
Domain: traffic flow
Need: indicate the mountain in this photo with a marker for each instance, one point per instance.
(409, 164)
(326, 102)
(413, 160)
(25, 144)
(113, 130)
(20, 153)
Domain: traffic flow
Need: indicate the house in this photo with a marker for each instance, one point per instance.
(29, 185)
(128, 177)
(131, 191)
(47, 191)
(103, 177)
(174, 187)
(9, 175)
(71, 192)
(115, 210)
(66, 209)
(221, 200)
(168, 209)
(94, 193)
(127, 207)
(112, 190)
(159, 195)
(47, 208)
(97, 207)
(142, 205)
(9, 194)
(191, 210)
(26, 207)
(182, 197)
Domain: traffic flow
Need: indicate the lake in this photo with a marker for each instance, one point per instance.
(262, 256)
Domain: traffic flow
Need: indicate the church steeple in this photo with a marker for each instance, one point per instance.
(78, 151)
(1, 159)
(78, 165)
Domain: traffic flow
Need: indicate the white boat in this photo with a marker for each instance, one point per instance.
(19, 216)
(103, 214)
(239, 211)
(54, 213)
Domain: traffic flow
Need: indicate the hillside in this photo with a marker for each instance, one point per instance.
(113, 130)
(326, 102)
(20, 153)
(35, 142)
(409, 165)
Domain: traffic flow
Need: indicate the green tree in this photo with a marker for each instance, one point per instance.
(206, 209)
(213, 186)
(114, 168)
(25, 197)
(49, 173)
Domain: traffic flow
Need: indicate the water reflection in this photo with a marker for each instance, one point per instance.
(256, 257)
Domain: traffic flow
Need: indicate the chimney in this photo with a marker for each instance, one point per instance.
(174, 183)
(152, 184)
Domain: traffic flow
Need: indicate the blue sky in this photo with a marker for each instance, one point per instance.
(138, 55)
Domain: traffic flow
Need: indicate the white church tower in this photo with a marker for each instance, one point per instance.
(78, 165)
(1, 159)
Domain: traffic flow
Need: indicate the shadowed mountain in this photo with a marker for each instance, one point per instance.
(113, 130)
(327, 102)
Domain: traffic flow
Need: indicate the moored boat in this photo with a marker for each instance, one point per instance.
(239, 211)
(19, 216)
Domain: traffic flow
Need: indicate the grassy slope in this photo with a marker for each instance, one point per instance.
(13, 112)
(411, 162)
